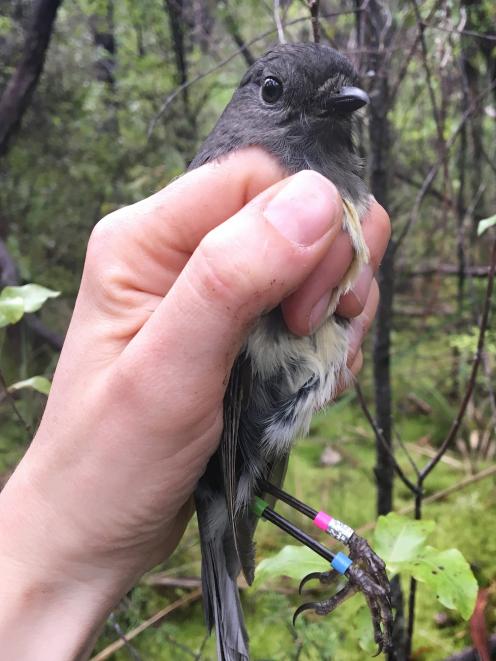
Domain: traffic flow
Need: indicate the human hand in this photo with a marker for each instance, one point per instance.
(170, 290)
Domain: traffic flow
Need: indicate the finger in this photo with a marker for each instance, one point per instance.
(242, 268)
(360, 326)
(306, 308)
(147, 244)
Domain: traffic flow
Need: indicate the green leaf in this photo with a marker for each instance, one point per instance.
(33, 296)
(485, 224)
(364, 630)
(449, 575)
(38, 383)
(11, 308)
(398, 539)
(292, 561)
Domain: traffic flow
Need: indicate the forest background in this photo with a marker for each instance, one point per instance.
(102, 102)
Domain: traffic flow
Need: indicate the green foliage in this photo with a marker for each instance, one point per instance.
(16, 301)
(485, 224)
(401, 543)
(398, 539)
(291, 561)
(84, 149)
(39, 383)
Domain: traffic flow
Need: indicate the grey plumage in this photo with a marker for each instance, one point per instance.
(279, 379)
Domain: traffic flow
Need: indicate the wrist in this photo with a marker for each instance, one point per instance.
(51, 607)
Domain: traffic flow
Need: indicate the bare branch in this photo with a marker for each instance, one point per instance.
(19, 90)
(278, 22)
(154, 619)
(169, 99)
(475, 367)
(380, 437)
(314, 6)
(431, 175)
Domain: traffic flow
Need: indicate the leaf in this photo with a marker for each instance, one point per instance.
(33, 296)
(11, 308)
(364, 630)
(293, 561)
(485, 224)
(38, 383)
(449, 575)
(398, 539)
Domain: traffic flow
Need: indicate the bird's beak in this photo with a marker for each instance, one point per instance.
(349, 99)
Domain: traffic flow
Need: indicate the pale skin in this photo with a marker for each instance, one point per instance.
(170, 289)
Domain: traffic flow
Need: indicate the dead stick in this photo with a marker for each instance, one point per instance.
(118, 644)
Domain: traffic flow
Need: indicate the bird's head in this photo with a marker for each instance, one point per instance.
(298, 83)
(296, 101)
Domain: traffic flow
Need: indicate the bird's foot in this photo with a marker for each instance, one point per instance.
(370, 582)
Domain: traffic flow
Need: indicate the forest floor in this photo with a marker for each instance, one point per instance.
(464, 520)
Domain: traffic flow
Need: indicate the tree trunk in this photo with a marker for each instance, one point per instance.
(379, 167)
(19, 90)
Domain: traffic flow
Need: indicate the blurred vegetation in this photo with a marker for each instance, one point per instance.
(108, 125)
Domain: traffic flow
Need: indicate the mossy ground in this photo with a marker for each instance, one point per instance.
(465, 520)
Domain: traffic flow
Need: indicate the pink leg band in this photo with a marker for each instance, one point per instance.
(322, 520)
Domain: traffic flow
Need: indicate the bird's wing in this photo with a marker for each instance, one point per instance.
(235, 400)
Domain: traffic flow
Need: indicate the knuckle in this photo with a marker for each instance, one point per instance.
(103, 269)
(383, 222)
(221, 272)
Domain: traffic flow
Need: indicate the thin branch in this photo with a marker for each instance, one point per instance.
(448, 270)
(117, 628)
(428, 75)
(278, 22)
(11, 400)
(380, 437)
(431, 175)
(314, 6)
(170, 98)
(118, 644)
(17, 94)
(409, 57)
(475, 367)
(467, 33)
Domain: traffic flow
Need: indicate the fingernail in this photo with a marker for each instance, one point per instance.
(305, 209)
(319, 312)
(362, 284)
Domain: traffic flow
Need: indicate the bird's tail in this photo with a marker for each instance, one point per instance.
(221, 603)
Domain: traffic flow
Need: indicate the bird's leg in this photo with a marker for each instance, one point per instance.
(365, 571)
(360, 551)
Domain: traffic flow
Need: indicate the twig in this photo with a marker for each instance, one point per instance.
(314, 6)
(409, 58)
(431, 175)
(172, 581)
(448, 270)
(380, 437)
(170, 98)
(118, 644)
(451, 435)
(475, 367)
(132, 651)
(425, 54)
(468, 33)
(278, 22)
(10, 398)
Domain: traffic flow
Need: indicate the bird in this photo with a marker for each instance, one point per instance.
(296, 102)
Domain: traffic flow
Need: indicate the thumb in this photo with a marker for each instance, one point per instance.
(242, 268)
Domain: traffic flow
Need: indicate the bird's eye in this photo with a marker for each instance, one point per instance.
(271, 90)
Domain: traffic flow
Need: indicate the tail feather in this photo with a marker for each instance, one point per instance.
(221, 601)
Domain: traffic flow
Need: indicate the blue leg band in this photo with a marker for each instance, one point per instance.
(341, 563)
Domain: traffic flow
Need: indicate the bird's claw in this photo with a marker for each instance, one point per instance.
(325, 578)
(367, 575)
